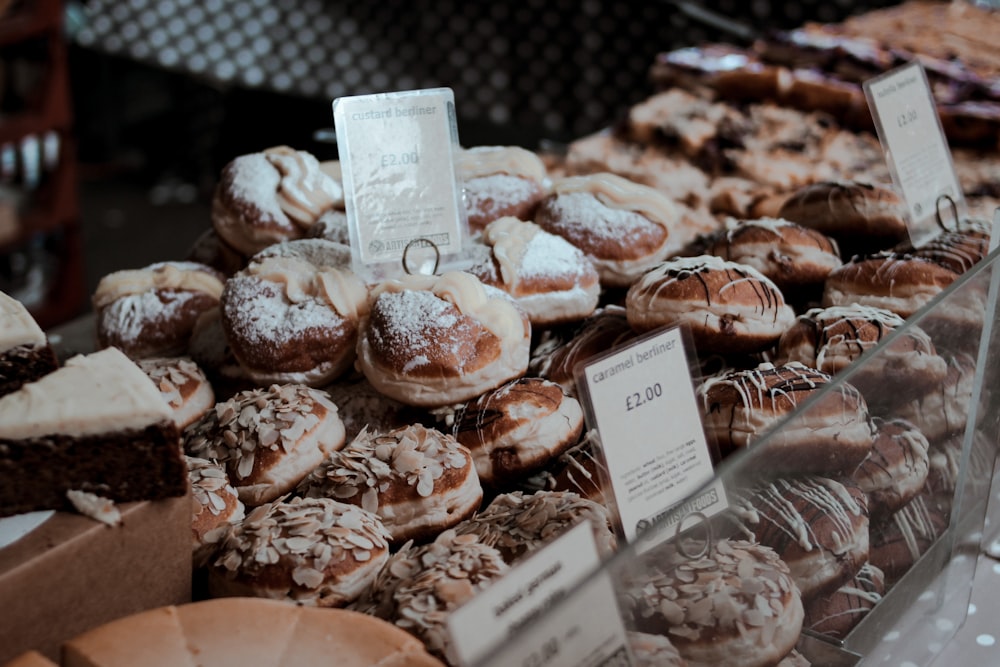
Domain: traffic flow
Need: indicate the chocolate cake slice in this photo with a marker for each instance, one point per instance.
(25, 353)
(97, 424)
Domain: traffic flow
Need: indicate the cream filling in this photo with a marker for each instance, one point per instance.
(620, 193)
(165, 276)
(561, 306)
(509, 238)
(305, 191)
(17, 326)
(482, 161)
(340, 288)
(97, 393)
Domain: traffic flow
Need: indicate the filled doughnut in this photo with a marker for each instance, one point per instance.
(577, 470)
(623, 227)
(183, 384)
(215, 507)
(958, 250)
(729, 307)
(268, 439)
(293, 314)
(551, 279)
(272, 196)
(900, 540)
(518, 428)
(500, 181)
(836, 614)
(418, 481)
(151, 312)
(312, 551)
(897, 282)
(431, 341)
(943, 411)
(896, 469)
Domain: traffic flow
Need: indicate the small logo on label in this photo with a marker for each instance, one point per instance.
(376, 247)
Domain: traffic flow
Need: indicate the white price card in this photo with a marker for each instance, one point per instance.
(909, 129)
(510, 624)
(641, 401)
(402, 194)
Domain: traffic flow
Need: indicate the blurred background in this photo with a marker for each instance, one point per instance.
(117, 116)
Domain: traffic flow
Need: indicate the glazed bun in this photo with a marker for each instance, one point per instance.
(896, 469)
(437, 340)
(836, 614)
(897, 282)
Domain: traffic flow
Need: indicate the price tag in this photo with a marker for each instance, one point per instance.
(402, 194)
(915, 147)
(641, 401)
(518, 606)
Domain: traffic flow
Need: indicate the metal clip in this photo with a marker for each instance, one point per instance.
(954, 210)
(421, 242)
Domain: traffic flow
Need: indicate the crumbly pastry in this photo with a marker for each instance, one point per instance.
(183, 384)
(272, 196)
(896, 469)
(152, 311)
(818, 526)
(836, 614)
(293, 314)
(898, 282)
(268, 439)
(518, 428)
(517, 524)
(623, 227)
(740, 407)
(551, 279)
(97, 424)
(215, 507)
(737, 606)
(500, 181)
(25, 352)
(431, 341)
(791, 255)
(654, 650)
(418, 481)
(313, 551)
(730, 307)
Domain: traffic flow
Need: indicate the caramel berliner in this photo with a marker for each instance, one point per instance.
(500, 181)
(835, 615)
(151, 312)
(292, 315)
(517, 524)
(897, 282)
(215, 507)
(739, 407)
(577, 470)
(792, 256)
(958, 250)
(272, 196)
(623, 227)
(730, 307)
(518, 428)
(268, 439)
(896, 469)
(313, 551)
(418, 481)
(944, 410)
(818, 526)
(551, 279)
(899, 541)
(438, 340)
(183, 384)
(737, 606)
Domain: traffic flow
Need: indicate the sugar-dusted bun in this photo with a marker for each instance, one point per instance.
(730, 307)
(418, 481)
(818, 526)
(151, 311)
(292, 315)
(499, 181)
(736, 606)
(518, 428)
(268, 439)
(862, 217)
(623, 227)
(834, 434)
(183, 384)
(269, 197)
(313, 551)
(551, 279)
(654, 651)
(517, 524)
(215, 507)
(836, 614)
(897, 282)
(896, 469)
(438, 340)
(332, 226)
(791, 255)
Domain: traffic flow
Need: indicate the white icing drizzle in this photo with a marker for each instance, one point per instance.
(766, 383)
(620, 193)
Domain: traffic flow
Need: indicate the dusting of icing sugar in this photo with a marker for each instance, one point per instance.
(490, 195)
(264, 317)
(548, 255)
(255, 181)
(415, 321)
(585, 222)
(127, 317)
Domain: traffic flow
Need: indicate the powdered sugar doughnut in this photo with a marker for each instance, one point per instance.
(551, 279)
(272, 196)
(437, 340)
(500, 181)
(292, 315)
(150, 312)
(730, 307)
(623, 227)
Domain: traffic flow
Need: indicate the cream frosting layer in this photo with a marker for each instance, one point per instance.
(620, 193)
(17, 326)
(512, 160)
(96, 393)
(185, 276)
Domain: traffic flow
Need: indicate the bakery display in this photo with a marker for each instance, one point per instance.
(499, 181)
(215, 507)
(897, 282)
(896, 469)
(183, 385)
(25, 352)
(837, 614)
